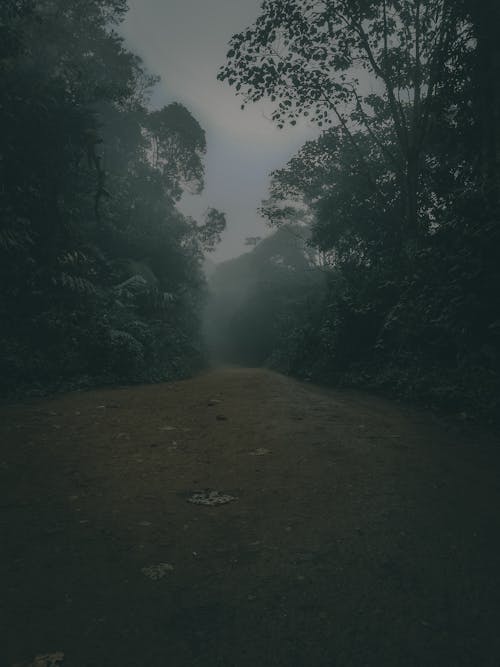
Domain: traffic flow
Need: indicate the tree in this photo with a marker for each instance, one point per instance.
(323, 187)
(411, 88)
(209, 233)
(178, 147)
(320, 58)
(255, 297)
(95, 257)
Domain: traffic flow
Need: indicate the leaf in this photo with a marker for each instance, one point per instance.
(157, 571)
(49, 660)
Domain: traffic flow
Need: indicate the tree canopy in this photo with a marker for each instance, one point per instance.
(101, 275)
(383, 67)
(399, 192)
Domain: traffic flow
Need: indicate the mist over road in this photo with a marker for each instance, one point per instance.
(355, 532)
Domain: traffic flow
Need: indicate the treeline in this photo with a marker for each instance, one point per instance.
(258, 299)
(100, 274)
(398, 197)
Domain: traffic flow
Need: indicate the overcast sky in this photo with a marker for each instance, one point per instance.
(185, 42)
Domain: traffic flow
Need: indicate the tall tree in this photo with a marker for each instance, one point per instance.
(323, 186)
(379, 65)
(95, 257)
(178, 147)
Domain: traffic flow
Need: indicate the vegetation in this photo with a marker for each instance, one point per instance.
(257, 298)
(383, 268)
(100, 273)
(399, 195)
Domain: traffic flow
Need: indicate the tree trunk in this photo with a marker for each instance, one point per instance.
(411, 205)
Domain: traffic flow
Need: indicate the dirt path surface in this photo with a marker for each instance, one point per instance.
(360, 533)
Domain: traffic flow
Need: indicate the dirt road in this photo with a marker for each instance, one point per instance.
(359, 533)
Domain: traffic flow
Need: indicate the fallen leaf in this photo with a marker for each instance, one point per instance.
(212, 402)
(262, 451)
(48, 660)
(210, 498)
(157, 571)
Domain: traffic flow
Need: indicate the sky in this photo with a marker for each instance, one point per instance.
(185, 42)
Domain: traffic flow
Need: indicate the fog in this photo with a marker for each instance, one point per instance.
(185, 43)
(249, 357)
(247, 318)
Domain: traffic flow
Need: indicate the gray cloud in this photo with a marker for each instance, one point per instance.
(185, 42)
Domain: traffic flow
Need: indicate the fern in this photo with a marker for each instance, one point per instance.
(16, 238)
(74, 283)
(73, 258)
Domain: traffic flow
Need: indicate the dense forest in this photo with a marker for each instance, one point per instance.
(288, 458)
(101, 275)
(395, 205)
(382, 269)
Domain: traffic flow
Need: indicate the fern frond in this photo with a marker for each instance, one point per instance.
(74, 283)
(15, 238)
(73, 258)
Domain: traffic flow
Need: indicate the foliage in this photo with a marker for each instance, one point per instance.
(254, 295)
(101, 275)
(400, 193)
(178, 144)
(317, 59)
